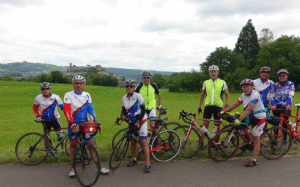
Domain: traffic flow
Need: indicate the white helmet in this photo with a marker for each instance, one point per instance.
(78, 78)
(213, 68)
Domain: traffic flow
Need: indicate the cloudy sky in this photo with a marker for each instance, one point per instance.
(163, 35)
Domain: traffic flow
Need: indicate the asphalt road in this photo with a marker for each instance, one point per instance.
(282, 172)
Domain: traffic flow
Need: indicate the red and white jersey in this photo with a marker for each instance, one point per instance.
(48, 106)
(78, 107)
(253, 97)
(132, 105)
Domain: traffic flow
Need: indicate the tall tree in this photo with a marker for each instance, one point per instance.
(266, 37)
(247, 44)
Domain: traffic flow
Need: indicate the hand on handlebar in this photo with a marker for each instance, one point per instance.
(273, 108)
(100, 126)
(221, 114)
(39, 119)
(123, 118)
(288, 107)
(236, 122)
(137, 124)
(74, 127)
(159, 107)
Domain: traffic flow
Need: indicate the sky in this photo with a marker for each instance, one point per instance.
(161, 35)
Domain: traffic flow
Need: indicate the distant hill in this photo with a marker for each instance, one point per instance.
(25, 69)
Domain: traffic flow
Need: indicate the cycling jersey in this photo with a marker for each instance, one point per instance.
(78, 107)
(214, 91)
(258, 115)
(133, 105)
(263, 88)
(48, 107)
(282, 94)
(149, 92)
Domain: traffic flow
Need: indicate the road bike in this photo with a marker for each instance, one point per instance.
(164, 146)
(160, 125)
(191, 138)
(33, 148)
(86, 159)
(225, 143)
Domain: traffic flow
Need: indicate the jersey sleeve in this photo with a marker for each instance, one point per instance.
(254, 98)
(291, 94)
(67, 109)
(272, 94)
(91, 109)
(155, 88)
(141, 100)
(225, 87)
(35, 108)
(203, 86)
(59, 102)
(240, 99)
(137, 89)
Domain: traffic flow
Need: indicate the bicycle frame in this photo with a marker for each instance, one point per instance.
(297, 120)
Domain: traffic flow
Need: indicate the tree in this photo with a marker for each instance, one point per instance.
(247, 44)
(57, 77)
(7, 78)
(227, 61)
(284, 53)
(159, 79)
(266, 37)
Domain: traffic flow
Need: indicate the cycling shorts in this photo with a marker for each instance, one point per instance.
(141, 132)
(257, 126)
(212, 109)
(73, 137)
(53, 124)
(151, 113)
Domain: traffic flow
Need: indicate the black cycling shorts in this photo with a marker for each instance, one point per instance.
(211, 109)
(53, 124)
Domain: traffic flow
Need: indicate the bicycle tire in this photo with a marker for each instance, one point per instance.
(67, 145)
(219, 150)
(119, 153)
(86, 164)
(169, 125)
(271, 146)
(189, 146)
(30, 149)
(168, 145)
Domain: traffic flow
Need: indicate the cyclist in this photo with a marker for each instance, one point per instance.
(133, 105)
(213, 89)
(254, 114)
(78, 107)
(264, 86)
(48, 103)
(282, 95)
(148, 90)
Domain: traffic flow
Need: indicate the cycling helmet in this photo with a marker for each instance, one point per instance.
(247, 82)
(213, 68)
(45, 84)
(282, 71)
(146, 73)
(78, 78)
(129, 81)
(265, 69)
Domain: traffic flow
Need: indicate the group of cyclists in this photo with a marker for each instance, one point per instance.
(141, 101)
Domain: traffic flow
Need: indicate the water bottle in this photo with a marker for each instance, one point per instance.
(214, 130)
(293, 125)
(204, 130)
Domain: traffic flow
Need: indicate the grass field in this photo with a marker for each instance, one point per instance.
(17, 115)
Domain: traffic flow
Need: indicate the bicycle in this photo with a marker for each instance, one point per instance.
(293, 129)
(225, 143)
(164, 146)
(86, 160)
(191, 138)
(33, 148)
(159, 121)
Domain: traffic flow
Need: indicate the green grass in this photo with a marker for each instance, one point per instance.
(17, 115)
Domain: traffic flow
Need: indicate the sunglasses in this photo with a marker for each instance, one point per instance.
(146, 77)
(129, 86)
(45, 88)
(78, 83)
(281, 75)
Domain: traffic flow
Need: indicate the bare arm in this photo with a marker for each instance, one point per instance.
(201, 100)
(227, 97)
(159, 99)
(247, 111)
(233, 106)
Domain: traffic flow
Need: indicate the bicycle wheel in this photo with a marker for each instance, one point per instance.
(190, 141)
(274, 146)
(67, 145)
(31, 149)
(223, 145)
(86, 164)
(170, 125)
(119, 153)
(165, 145)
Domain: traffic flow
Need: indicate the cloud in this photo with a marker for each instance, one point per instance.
(23, 3)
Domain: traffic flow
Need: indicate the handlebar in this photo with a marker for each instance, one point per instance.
(185, 116)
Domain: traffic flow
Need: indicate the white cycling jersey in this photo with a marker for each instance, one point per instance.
(264, 88)
(48, 106)
(132, 105)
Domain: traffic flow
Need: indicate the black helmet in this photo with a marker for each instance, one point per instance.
(45, 84)
(146, 73)
(129, 81)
